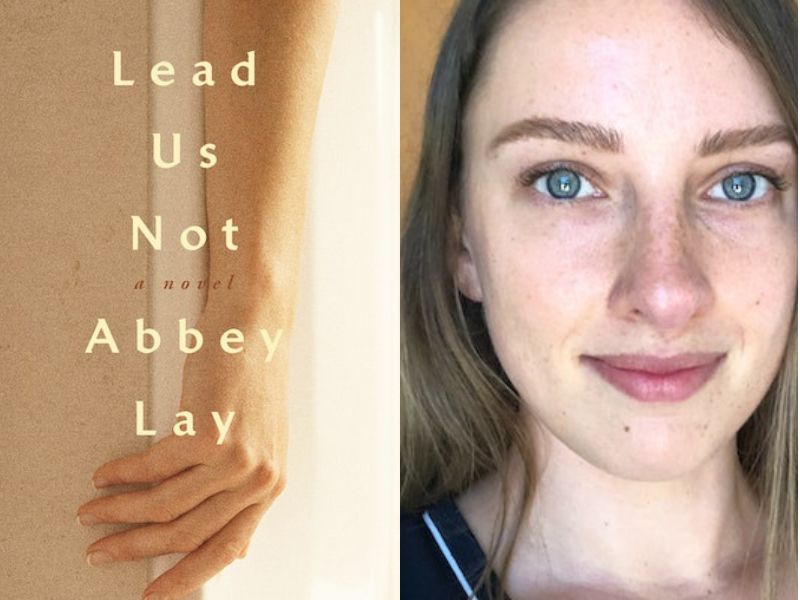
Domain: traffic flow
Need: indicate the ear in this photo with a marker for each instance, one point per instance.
(465, 270)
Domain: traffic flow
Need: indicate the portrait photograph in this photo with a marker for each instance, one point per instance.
(599, 300)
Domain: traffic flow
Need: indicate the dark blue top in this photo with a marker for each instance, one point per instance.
(440, 558)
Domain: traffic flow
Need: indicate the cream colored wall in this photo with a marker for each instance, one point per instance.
(333, 535)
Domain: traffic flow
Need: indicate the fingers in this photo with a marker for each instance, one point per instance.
(210, 558)
(185, 534)
(160, 504)
(163, 459)
(208, 508)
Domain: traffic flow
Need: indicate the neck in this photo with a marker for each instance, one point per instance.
(593, 530)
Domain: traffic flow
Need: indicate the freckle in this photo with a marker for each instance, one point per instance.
(705, 427)
(605, 523)
(627, 429)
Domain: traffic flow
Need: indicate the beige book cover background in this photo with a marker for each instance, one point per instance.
(77, 164)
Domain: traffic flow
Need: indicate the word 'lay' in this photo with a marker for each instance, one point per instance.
(184, 423)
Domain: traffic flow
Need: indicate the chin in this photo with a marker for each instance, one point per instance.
(656, 451)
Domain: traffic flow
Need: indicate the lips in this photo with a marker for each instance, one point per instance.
(656, 379)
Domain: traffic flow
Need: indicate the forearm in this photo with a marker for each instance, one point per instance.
(263, 141)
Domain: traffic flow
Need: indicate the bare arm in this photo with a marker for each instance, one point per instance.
(207, 498)
(263, 136)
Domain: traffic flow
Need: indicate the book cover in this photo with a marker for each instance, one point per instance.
(144, 210)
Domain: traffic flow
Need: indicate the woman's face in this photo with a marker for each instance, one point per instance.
(629, 225)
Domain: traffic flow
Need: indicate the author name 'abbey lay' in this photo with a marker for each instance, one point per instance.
(148, 340)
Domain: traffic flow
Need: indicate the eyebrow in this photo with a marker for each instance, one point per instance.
(610, 140)
(731, 139)
(575, 132)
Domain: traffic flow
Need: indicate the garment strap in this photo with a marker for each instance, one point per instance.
(459, 548)
(448, 555)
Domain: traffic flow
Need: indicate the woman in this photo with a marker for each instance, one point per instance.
(599, 299)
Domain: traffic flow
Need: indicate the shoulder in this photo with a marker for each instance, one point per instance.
(439, 556)
(424, 573)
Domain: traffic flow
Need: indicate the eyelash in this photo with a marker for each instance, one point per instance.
(774, 180)
(530, 176)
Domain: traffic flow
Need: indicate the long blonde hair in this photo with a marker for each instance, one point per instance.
(460, 414)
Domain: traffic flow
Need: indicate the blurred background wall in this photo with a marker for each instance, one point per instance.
(422, 25)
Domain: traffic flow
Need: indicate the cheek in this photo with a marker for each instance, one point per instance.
(544, 282)
(759, 294)
(753, 267)
(756, 289)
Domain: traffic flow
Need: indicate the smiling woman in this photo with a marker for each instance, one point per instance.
(599, 304)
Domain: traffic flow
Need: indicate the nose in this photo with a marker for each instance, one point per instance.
(661, 280)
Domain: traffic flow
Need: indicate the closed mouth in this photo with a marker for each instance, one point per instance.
(650, 378)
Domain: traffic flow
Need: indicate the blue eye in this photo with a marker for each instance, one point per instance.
(564, 184)
(740, 187)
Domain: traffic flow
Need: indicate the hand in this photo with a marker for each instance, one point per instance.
(206, 499)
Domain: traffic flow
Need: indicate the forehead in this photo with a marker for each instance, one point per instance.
(648, 68)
